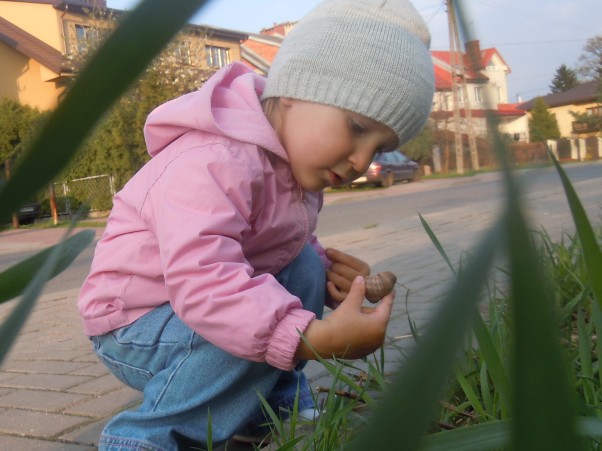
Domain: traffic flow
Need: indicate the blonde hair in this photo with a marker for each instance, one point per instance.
(269, 105)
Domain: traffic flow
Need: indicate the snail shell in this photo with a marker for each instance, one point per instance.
(379, 285)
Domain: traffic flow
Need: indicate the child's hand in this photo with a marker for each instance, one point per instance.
(344, 269)
(351, 331)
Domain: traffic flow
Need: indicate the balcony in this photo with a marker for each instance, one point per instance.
(587, 127)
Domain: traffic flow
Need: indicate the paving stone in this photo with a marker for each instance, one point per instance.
(6, 377)
(88, 434)
(53, 354)
(36, 424)
(106, 404)
(9, 442)
(46, 401)
(98, 386)
(5, 391)
(45, 381)
(95, 369)
(45, 366)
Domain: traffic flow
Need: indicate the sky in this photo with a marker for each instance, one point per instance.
(535, 37)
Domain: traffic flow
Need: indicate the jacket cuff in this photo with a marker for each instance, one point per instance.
(285, 340)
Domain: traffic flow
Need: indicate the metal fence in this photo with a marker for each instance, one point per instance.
(92, 193)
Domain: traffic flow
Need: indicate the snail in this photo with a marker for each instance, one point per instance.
(379, 285)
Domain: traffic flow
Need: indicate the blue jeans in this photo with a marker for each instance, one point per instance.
(185, 379)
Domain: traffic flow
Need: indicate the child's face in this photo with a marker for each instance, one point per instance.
(328, 146)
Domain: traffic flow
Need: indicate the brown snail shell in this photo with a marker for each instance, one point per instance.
(379, 285)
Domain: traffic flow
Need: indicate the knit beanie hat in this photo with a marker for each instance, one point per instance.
(367, 56)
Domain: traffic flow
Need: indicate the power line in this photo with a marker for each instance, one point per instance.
(538, 17)
(543, 42)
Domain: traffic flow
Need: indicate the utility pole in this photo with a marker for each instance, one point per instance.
(458, 76)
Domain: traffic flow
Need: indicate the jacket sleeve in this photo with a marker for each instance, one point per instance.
(200, 209)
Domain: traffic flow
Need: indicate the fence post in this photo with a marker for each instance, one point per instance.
(436, 158)
(553, 145)
(574, 149)
(582, 149)
(599, 142)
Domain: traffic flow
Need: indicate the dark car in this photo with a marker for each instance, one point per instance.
(29, 212)
(388, 168)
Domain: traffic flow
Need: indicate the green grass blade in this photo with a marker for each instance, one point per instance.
(591, 249)
(486, 436)
(585, 358)
(122, 58)
(470, 394)
(16, 278)
(411, 401)
(491, 356)
(543, 406)
(493, 435)
(12, 325)
(209, 431)
(436, 242)
(335, 371)
(597, 320)
(485, 390)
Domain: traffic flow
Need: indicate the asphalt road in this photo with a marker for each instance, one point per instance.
(356, 211)
(449, 193)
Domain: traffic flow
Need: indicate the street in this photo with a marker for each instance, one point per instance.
(372, 209)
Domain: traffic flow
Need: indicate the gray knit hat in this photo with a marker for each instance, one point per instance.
(367, 56)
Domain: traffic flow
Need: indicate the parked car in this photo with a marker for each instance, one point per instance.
(29, 212)
(388, 168)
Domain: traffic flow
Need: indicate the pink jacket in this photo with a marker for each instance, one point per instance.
(205, 224)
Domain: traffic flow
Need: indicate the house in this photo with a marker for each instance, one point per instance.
(259, 50)
(583, 98)
(486, 93)
(40, 39)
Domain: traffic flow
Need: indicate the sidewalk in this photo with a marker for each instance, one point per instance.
(55, 395)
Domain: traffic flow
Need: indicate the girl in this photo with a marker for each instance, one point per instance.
(208, 271)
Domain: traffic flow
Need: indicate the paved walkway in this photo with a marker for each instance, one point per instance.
(55, 395)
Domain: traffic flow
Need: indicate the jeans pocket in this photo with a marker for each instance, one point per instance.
(128, 374)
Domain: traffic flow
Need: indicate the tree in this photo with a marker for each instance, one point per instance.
(17, 124)
(420, 148)
(542, 124)
(117, 146)
(590, 67)
(565, 79)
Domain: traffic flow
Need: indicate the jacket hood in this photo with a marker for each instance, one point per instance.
(227, 104)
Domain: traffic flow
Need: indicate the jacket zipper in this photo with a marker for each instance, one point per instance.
(301, 199)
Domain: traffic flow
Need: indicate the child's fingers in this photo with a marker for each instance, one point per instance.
(342, 282)
(384, 306)
(336, 294)
(336, 256)
(355, 297)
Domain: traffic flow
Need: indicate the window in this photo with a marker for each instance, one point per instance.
(478, 93)
(595, 111)
(86, 38)
(217, 56)
(183, 53)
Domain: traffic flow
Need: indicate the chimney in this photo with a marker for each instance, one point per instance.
(473, 55)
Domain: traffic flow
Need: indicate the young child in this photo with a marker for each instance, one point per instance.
(208, 271)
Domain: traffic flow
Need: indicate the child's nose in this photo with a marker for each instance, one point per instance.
(361, 160)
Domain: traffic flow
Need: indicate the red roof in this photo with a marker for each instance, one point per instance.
(509, 109)
(472, 69)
